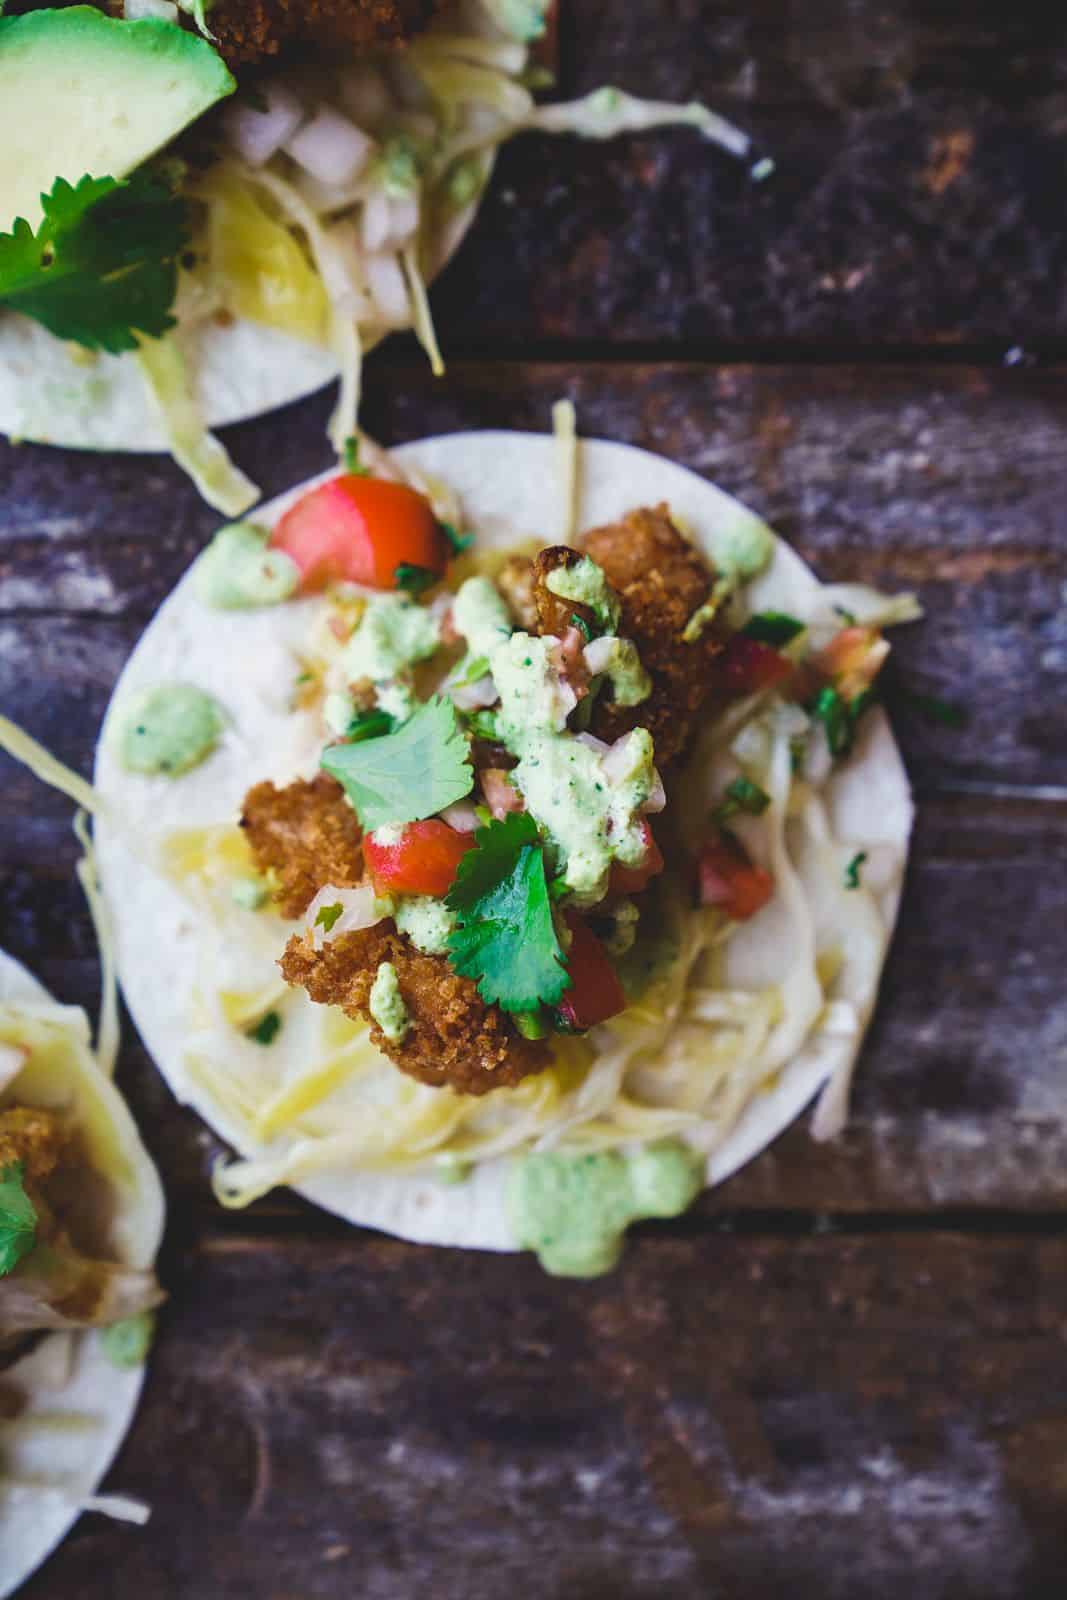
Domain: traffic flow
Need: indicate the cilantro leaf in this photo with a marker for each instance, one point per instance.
(415, 579)
(772, 627)
(103, 264)
(504, 935)
(350, 457)
(839, 717)
(583, 627)
(406, 775)
(458, 541)
(369, 725)
(267, 1029)
(18, 1219)
(328, 915)
(742, 795)
(852, 871)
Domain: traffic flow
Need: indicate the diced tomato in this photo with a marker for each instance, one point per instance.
(595, 993)
(747, 666)
(360, 529)
(853, 659)
(631, 880)
(423, 861)
(728, 879)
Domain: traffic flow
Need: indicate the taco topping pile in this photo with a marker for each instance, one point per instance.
(472, 859)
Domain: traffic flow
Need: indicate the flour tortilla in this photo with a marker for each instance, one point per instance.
(53, 393)
(505, 483)
(69, 1373)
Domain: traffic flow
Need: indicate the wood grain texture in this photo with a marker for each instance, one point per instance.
(724, 1416)
(950, 481)
(919, 157)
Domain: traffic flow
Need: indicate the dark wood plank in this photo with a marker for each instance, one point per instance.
(917, 195)
(898, 475)
(751, 1416)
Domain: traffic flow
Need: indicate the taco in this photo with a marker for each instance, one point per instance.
(494, 873)
(228, 203)
(81, 1214)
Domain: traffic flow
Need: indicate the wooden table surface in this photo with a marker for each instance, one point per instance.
(845, 1371)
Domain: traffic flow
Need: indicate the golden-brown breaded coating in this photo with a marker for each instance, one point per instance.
(661, 580)
(33, 1137)
(306, 835)
(247, 31)
(455, 1039)
(515, 580)
(554, 613)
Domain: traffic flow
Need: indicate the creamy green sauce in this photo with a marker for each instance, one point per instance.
(618, 661)
(126, 1344)
(533, 702)
(238, 570)
(426, 921)
(169, 728)
(251, 893)
(574, 1210)
(590, 821)
(394, 632)
(480, 614)
(387, 1004)
(586, 583)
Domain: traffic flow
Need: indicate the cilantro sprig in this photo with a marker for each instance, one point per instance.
(775, 628)
(102, 266)
(18, 1219)
(505, 936)
(415, 580)
(741, 795)
(411, 773)
(839, 717)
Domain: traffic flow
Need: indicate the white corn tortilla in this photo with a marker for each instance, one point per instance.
(506, 483)
(50, 394)
(70, 1372)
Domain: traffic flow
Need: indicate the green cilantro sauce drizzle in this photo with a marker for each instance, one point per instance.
(238, 571)
(573, 1210)
(590, 819)
(387, 1004)
(168, 729)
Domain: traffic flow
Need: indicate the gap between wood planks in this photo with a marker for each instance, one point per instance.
(1010, 350)
(209, 1229)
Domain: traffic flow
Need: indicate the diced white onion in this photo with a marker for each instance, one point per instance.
(461, 816)
(365, 96)
(376, 221)
(12, 1061)
(657, 798)
(330, 147)
(165, 10)
(259, 134)
(403, 219)
(598, 654)
(360, 908)
(593, 743)
(386, 283)
(474, 696)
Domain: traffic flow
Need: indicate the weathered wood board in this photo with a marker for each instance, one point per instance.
(725, 1416)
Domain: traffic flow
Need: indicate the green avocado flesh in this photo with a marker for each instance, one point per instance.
(87, 94)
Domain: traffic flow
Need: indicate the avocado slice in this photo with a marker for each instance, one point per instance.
(83, 93)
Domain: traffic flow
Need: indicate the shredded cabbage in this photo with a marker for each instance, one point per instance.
(565, 429)
(222, 484)
(605, 113)
(108, 1034)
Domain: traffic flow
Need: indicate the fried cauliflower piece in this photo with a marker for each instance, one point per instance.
(454, 1040)
(661, 580)
(306, 836)
(515, 580)
(33, 1138)
(555, 614)
(249, 31)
